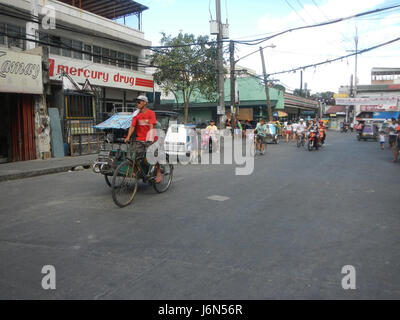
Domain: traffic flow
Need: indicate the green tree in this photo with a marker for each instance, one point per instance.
(186, 66)
(327, 97)
(305, 93)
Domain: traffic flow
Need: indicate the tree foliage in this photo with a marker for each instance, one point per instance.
(327, 97)
(184, 69)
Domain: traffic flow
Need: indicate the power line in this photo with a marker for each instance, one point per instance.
(336, 59)
(305, 10)
(261, 40)
(298, 14)
(28, 17)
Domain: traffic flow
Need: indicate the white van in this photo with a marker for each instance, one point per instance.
(178, 140)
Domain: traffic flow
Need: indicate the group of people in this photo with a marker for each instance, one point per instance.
(295, 129)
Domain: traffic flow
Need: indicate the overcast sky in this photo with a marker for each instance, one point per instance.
(257, 18)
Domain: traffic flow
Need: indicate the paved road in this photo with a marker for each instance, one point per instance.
(286, 231)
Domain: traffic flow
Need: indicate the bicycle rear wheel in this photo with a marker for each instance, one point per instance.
(167, 172)
(124, 184)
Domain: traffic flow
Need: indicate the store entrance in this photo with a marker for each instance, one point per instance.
(17, 128)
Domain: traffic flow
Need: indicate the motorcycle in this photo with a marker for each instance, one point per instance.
(322, 136)
(313, 140)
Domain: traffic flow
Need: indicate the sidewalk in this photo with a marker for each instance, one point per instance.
(27, 169)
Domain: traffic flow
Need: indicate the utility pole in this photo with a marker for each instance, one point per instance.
(301, 83)
(356, 64)
(233, 86)
(221, 101)
(266, 84)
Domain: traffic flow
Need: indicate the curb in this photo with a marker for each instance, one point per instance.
(41, 172)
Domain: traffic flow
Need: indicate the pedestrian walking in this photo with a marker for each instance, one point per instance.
(294, 131)
(228, 126)
(288, 131)
(392, 133)
(194, 146)
(397, 144)
(382, 139)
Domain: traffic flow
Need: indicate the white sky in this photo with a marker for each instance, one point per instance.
(258, 18)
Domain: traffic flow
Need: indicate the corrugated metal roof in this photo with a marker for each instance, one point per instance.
(110, 9)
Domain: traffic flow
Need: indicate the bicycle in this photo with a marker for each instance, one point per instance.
(260, 140)
(126, 176)
(300, 140)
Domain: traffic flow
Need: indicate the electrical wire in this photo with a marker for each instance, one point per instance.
(29, 17)
(261, 40)
(337, 59)
(288, 3)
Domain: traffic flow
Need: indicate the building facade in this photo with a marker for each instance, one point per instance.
(251, 103)
(87, 46)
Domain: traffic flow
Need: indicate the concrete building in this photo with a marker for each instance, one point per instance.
(87, 46)
(378, 101)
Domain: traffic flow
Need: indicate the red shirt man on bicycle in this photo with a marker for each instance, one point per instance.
(144, 123)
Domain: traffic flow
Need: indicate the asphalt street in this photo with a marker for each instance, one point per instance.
(284, 232)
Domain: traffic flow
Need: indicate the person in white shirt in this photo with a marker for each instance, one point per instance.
(301, 128)
(213, 131)
(294, 130)
(288, 131)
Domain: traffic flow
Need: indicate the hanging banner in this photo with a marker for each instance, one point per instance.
(370, 104)
(20, 72)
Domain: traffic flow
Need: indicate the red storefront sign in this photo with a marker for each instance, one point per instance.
(100, 75)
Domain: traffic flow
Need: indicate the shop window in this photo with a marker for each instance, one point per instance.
(121, 59)
(14, 35)
(66, 47)
(105, 53)
(135, 62)
(128, 61)
(55, 43)
(88, 52)
(96, 54)
(79, 106)
(113, 57)
(2, 33)
(78, 46)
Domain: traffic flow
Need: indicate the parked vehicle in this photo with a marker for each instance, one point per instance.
(178, 140)
(369, 131)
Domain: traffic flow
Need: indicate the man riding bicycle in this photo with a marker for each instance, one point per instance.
(301, 129)
(261, 135)
(144, 123)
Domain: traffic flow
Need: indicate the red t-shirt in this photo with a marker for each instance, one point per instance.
(142, 123)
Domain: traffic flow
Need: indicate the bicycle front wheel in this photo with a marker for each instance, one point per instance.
(167, 172)
(124, 184)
